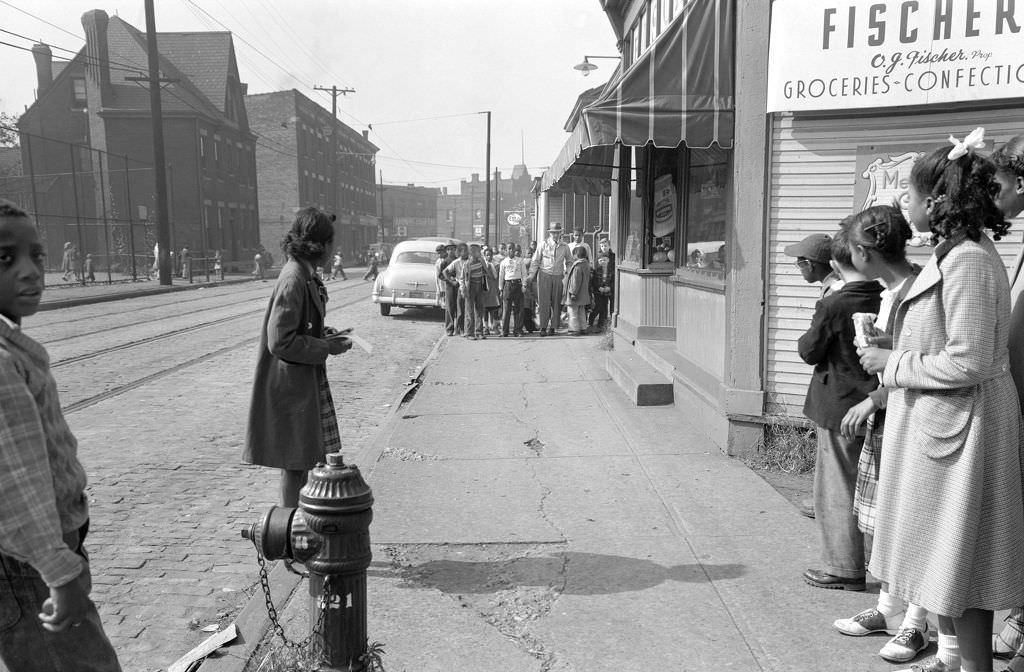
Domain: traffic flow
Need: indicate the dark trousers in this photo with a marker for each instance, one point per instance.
(473, 293)
(512, 302)
(600, 312)
(835, 478)
(453, 307)
(25, 646)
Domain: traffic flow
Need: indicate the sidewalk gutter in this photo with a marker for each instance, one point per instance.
(252, 622)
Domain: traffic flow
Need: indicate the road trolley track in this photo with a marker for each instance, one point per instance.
(127, 387)
(263, 294)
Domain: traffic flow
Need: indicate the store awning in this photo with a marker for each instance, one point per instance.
(680, 91)
(581, 167)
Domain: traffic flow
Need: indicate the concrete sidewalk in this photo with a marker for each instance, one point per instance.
(528, 517)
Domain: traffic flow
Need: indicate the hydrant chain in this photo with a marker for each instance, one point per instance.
(272, 611)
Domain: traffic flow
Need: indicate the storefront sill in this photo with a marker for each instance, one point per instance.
(697, 280)
(636, 270)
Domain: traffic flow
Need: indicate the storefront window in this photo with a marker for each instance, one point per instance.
(707, 173)
(632, 252)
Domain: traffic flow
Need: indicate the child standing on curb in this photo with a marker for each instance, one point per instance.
(878, 240)
(50, 623)
(950, 520)
(292, 422)
(837, 385)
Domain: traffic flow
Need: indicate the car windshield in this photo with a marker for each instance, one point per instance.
(416, 257)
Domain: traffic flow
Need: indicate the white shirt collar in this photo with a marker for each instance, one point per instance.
(13, 325)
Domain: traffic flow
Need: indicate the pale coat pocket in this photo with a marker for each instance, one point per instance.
(943, 417)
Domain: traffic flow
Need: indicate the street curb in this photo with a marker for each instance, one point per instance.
(117, 296)
(252, 622)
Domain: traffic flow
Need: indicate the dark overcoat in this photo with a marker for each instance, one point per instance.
(284, 428)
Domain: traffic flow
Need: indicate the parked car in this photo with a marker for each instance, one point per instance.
(409, 280)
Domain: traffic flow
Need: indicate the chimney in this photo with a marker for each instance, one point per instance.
(476, 177)
(44, 68)
(98, 59)
(366, 135)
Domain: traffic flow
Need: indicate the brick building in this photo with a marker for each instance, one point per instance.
(462, 215)
(294, 169)
(409, 212)
(96, 102)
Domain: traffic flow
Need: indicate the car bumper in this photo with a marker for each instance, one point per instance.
(402, 297)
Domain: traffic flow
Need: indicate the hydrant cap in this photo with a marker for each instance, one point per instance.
(335, 488)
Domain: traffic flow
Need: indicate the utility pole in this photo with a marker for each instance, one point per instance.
(334, 91)
(381, 218)
(163, 231)
(487, 194)
(497, 209)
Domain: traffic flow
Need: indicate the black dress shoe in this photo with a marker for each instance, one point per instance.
(820, 579)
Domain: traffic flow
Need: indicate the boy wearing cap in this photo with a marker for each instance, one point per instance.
(547, 269)
(838, 384)
(452, 314)
(813, 258)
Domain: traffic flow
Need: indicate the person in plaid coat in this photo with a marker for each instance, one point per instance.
(292, 422)
(950, 521)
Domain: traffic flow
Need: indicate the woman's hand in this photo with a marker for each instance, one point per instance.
(855, 417)
(873, 359)
(339, 344)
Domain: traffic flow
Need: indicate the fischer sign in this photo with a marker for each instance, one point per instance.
(870, 53)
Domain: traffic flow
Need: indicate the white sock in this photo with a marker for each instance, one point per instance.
(949, 650)
(917, 618)
(888, 605)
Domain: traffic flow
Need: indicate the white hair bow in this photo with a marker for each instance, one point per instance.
(976, 140)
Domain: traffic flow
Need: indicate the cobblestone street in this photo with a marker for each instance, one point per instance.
(160, 420)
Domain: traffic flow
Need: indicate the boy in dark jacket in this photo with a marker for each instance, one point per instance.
(838, 383)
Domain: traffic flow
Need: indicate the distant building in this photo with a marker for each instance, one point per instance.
(294, 169)
(97, 102)
(462, 215)
(409, 212)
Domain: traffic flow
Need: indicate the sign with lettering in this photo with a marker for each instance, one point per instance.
(851, 54)
(883, 178)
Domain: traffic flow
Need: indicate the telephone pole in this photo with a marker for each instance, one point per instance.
(487, 194)
(163, 231)
(334, 91)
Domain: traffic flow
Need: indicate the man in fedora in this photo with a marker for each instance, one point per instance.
(547, 269)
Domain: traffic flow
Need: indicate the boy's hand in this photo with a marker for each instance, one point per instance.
(66, 607)
(338, 345)
(855, 417)
(873, 359)
(880, 340)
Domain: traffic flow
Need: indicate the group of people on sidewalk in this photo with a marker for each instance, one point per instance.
(508, 293)
(919, 467)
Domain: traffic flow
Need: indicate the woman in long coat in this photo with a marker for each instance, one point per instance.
(950, 524)
(292, 422)
(576, 290)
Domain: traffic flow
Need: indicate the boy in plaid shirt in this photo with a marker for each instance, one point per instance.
(47, 621)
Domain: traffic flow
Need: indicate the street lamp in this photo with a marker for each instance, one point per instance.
(586, 66)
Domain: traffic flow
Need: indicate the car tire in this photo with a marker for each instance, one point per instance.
(385, 309)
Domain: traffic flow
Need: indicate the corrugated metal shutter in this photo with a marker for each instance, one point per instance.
(812, 189)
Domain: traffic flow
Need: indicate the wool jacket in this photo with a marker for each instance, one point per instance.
(838, 382)
(42, 483)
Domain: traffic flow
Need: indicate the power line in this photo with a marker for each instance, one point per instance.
(38, 18)
(409, 121)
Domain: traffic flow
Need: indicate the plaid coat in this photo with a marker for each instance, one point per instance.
(950, 520)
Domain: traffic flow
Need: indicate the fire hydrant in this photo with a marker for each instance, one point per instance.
(330, 534)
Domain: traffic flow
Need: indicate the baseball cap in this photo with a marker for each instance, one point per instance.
(439, 248)
(816, 247)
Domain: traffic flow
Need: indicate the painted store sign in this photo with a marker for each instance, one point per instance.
(827, 55)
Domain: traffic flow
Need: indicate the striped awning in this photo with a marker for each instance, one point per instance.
(679, 92)
(581, 167)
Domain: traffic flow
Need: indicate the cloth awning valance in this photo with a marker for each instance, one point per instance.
(680, 91)
(581, 167)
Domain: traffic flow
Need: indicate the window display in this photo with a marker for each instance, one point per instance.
(707, 176)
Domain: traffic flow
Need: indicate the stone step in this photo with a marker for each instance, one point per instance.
(642, 383)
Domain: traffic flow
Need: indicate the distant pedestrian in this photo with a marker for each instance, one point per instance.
(155, 269)
(185, 260)
(47, 621)
(492, 300)
(529, 309)
(257, 266)
(218, 265)
(603, 284)
(67, 262)
(577, 291)
(90, 276)
(511, 272)
(371, 273)
(547, 270)
(292, 422)
(337, 268)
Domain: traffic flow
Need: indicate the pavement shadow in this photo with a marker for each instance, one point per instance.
(570, 572)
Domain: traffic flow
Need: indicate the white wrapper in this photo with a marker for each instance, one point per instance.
(863, 327)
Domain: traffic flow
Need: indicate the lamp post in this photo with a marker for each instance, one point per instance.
(586, 67)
